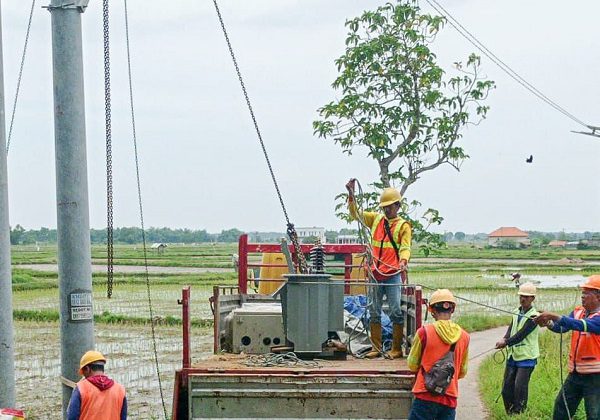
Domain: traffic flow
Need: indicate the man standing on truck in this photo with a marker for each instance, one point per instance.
(521, 338)
(583, 381)
(440, 344)
(96, 396)
(390, 240)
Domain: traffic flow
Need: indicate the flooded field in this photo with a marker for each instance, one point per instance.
(130, 361)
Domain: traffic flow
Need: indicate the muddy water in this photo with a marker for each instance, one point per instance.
(130, 361)
(542, 281)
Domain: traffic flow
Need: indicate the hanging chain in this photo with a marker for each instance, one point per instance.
(291, 231)
(109, 178)
(14, 108)
(139, 191)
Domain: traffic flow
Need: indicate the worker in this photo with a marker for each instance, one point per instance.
(433, 342)
(390, 240)
(583, 381)
(521, 341)
(96, 396)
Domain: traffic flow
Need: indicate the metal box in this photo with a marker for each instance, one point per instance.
(255, 331)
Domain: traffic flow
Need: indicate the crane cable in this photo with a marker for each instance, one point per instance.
(19, 78)
(139, 192)
(501, 64)
(291, 231)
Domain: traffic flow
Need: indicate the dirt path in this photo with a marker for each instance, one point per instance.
(470, 405)
(96, 268)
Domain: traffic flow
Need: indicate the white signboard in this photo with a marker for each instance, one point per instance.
(80, 306)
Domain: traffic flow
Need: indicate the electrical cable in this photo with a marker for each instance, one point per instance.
(501, 64)
(19, 78)
(141, 209)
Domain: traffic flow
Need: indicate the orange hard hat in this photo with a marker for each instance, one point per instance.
(593, 282)
(90, 357)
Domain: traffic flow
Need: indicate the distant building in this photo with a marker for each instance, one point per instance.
(347, 239)
(309, 232)
(557, 244)
(159, 247)
(508, 234)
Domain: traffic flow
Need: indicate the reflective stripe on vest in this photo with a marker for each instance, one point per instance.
(434, 349)
(584, 356)
(529, 347)
(100, 405)
(385, 259)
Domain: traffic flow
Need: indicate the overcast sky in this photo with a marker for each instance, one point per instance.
(201, 163)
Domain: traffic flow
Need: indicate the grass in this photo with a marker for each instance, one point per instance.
(476, 322)
(543, 387)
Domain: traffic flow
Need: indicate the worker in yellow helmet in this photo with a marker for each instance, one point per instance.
(96, 396)
(521, 339)
(435, 348)
(583, 381)
(390, 240)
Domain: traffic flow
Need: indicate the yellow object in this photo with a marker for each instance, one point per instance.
(358, 274)
(389, 196)
(527, 289)
(441, 295)
(90, 357)
(398, 335)
(267, 286)
(593, 282)
(375, 340)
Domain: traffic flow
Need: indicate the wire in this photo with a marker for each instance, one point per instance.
(501, 64)
(562, 383)
(14, 107)
(139, 192)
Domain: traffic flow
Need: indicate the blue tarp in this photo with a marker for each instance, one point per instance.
(357, 306)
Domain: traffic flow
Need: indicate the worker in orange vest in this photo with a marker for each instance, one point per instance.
(96, 396)
(391, 238)
(434, 348)
(583, 381)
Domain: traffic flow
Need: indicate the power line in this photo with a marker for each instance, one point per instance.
(501, 64)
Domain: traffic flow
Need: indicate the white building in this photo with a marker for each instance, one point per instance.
(308, 232)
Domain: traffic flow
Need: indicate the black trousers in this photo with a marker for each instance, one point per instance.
(576, 388)
(515, 389)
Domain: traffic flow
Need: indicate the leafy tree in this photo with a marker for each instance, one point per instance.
(16, 235)
(448, 236)
(397, 103)
(231, 235)
(331, 236)
(459, 236)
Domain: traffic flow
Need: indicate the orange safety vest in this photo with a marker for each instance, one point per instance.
(434, 349)
(386, 261)
(100, 405)
(584, 356)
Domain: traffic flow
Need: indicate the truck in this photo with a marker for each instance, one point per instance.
(240, 381)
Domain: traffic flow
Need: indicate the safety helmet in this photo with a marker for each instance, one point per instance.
(593, 282)
(389, 196)
(90, 357)
(527, 289)
(441, 295)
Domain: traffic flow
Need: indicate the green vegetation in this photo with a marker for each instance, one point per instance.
(543, 388)
(478, 322)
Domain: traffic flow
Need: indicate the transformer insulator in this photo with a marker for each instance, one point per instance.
(317, 258)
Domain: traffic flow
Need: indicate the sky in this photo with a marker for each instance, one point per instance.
(200, 160)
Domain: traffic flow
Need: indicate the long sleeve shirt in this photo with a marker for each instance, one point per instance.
(368, 217)
(569, 323)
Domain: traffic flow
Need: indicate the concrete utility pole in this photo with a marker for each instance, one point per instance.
(74, 257)
(7, 354)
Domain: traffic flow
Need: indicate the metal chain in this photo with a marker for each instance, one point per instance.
(14, 107)
(109, 181)
(290, 226)
(139, 191)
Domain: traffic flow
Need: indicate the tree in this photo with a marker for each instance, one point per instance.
(459, 236)
(231, 235)
(16, 235)
(396, 101)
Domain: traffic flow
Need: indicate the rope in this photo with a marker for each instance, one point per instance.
(290, 226)
(278, 360)
(14, 107)
(139, 192)
(108, 132)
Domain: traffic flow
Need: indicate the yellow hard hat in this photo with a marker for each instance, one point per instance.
(441, 295)
(389, 196)
(593, 282)
(527, 289)
(90, 357)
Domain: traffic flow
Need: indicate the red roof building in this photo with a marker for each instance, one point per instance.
(508, 234)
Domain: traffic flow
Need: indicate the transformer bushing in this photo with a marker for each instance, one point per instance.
(313, 305)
